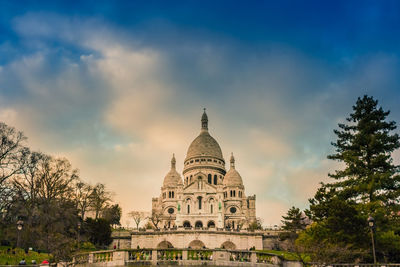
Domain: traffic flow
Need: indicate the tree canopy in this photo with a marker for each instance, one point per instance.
(368, 185)
(48, 195)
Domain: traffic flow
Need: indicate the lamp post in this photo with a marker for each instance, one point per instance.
(20, 225)
(79, 235)
(119, 234)
(371, 224)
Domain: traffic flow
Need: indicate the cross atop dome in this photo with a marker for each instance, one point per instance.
(204, 121)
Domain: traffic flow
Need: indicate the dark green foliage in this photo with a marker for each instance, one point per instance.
(294, 220)
(112, 214)
(47, 195)
(369, 184)
(98, 231)
(292, 223)
(365, 145)
(256, 224)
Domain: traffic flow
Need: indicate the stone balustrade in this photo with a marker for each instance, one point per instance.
(186, 257)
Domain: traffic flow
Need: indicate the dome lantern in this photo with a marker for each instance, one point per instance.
(232, 161)
(204, 121)
(173, 162)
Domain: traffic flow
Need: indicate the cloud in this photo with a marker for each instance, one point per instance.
(118, 105)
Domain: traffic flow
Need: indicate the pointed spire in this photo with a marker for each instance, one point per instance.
(232, 161)
(204, 121)
(173, 161)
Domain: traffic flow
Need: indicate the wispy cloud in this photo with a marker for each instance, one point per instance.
(119, 104)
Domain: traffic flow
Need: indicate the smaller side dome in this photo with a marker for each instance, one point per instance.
(232, 177)
(173, 178)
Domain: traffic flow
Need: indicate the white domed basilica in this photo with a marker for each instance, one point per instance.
(206, 196)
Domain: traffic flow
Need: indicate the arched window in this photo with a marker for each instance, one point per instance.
(215, 179)
(199, 199)
(187, 180)
(211, 208)
(188, 209)
(231, 193)
(191, 178)
(209, 179)
(173, 194)
(234, 193)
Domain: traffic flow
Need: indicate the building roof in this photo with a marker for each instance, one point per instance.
(232, 177)
(204, 145)
(173, 178)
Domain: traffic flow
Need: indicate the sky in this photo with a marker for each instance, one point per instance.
(118, 86)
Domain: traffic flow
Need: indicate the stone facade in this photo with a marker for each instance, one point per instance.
(208, 208)
(208, 196)
(197, 239)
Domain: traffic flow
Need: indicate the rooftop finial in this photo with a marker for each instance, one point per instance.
(232, 161)
(173, 161)
(204, 121)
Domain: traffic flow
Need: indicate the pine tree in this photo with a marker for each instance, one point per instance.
(294, 220)
(365, 145)
(369, 184)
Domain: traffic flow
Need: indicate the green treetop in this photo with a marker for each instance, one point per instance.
(294, 220)
(365, 145)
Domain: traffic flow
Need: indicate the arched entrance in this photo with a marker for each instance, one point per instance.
(196, 244)
(164, 244)
(187, 224)
(228, 245)
(211, 224)
(198, 224)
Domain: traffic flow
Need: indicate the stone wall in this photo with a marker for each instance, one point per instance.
(197, 239)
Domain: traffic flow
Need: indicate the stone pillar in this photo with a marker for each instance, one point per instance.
(184, 254)
(91, 258)
(220, 256)
(154, 257)
(214, 256)
(220, 221)
(119, 258)
(253, 257)
(126, 256)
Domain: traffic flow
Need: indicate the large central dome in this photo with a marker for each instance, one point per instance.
(204, 145)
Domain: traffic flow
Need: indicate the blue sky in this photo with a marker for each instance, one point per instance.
(118, 86)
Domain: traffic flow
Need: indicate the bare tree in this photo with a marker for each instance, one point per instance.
(256, 224)
(155, 218)
(26, 183)
(137, 216)
(100, 199)
(11, 150)
(83, 192)
(56, 178)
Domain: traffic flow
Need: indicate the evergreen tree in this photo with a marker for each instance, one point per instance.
(369, 184)
(365, 145)
(294, 220)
